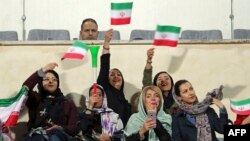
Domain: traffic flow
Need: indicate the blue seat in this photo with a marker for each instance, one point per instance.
(201, 35)
(242, 34)
(8, 36)
(116, 35)
(44, 34)
(138, 34)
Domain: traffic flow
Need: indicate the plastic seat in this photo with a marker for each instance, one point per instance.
(44, 34)
(201, 35)
(8, 36)
(116, 35)
(242, 34)
(138, 34)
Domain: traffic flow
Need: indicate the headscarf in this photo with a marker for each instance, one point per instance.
(52, 103)
(137, 120)
(45, 93)
(122, 86)
(168, 100)
(110, 121)
(199, 110)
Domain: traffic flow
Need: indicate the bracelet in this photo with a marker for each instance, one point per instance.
(149, 61)
(106, 48)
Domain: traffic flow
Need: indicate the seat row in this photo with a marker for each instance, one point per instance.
(42, 34)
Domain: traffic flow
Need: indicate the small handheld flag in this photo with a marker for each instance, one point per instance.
(121, 13)
(241, 107)
(77, 51)
(166, 35)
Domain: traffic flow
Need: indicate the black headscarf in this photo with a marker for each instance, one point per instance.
(51, 102)
(168, 100)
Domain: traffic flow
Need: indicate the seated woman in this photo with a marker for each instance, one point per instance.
(52, 117)
(151, 123)
(98, 122)
(197, 121)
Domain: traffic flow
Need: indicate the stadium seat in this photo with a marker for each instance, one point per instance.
(8, 36)
(138, 34)
(201, 35)
(44, 34)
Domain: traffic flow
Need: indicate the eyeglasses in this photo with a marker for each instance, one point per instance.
(50, 79)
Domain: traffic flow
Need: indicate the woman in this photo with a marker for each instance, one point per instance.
(113, 83)
(98, 122)
(141, 126)
(52, 117)
(197, 121)
(163, 80)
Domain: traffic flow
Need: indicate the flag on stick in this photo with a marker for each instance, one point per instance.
(10, 108)
(166, 35)
(121, 13)
(77, 51)
(241, 107)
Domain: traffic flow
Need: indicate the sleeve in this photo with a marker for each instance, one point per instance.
(33, 79)
(147, 77)
(133, 137)
(176, 134)
(71, 126)
(31, 82)
(85, 121)
(161, 133)
(219, 122)
(103, 77)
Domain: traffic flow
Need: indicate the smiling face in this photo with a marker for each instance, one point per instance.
(152, 100)
(163, 81)
(187, 94)
(50, 82)
(115, 78)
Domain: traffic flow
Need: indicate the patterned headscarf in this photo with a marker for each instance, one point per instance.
(110, 121)
(137, 120)
(199, 110)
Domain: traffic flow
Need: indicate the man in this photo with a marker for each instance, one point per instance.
(89, 31)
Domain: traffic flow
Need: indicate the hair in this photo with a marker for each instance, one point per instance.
(134, 100)
(177, 86)
(168, 101)
(154, 88)
(88, 20)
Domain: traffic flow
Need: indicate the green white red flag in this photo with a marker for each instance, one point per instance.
(241, 107)
(77, 51)
(166, 35)
(11, 107)
(121, 13)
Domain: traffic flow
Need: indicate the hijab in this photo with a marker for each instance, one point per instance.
(199, 110)
(137, 120)
(110, 121)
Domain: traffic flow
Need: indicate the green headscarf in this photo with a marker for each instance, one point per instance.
(137, 120)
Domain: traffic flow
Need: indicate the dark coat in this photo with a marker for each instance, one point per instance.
(68, 114)
(115, 98)
(184, 130)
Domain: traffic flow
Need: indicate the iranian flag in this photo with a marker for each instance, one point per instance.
(10, 108)
(121, 13)
(241, 107)
(77, 51)
(166, 35)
